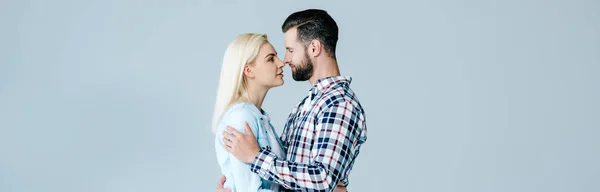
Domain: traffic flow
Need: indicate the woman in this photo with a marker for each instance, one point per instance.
(250, 68)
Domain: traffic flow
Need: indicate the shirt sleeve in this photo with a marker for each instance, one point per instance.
(338, 129)
(240, 178)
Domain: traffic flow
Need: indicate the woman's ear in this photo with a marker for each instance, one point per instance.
(248, 72)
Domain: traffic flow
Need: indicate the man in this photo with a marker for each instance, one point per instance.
(324, 132)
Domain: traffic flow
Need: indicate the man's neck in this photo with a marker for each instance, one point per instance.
(325, 68)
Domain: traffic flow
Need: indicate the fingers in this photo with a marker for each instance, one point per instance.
(222, 181)
(340, 188)
(248, 129)
(227, 144)
(228, 140)
(228, 136)
(231, 136)
(233, 131)
(221, 186)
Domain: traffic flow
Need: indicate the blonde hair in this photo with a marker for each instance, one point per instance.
(232, 83)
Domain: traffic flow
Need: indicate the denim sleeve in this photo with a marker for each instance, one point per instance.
(241, 177)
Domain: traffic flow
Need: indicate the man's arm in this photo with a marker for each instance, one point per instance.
(221, 186)
(338, 130)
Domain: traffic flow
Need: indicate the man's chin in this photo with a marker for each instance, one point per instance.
(298, 79)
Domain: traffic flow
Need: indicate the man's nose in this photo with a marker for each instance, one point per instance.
(286, 59)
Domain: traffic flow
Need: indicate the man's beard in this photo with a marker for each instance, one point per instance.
(303, 71)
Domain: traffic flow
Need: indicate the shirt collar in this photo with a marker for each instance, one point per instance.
(325, 83)
(258, 112)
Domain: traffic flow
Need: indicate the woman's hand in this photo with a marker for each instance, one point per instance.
(221, 185)
(340, 188)
(242, 146)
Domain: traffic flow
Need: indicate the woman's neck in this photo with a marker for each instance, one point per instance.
(256, 95)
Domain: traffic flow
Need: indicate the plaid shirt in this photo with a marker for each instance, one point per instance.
(322, 137)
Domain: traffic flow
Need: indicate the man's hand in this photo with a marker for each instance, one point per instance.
(242, 146)
(221, 186)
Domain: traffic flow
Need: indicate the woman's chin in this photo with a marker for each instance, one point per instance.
(280, 83)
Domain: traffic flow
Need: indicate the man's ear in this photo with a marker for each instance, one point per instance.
(248, 71)
(315, 48)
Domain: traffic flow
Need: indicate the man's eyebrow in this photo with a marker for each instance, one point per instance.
(288, 48)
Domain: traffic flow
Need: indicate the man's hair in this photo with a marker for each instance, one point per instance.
(314, 24)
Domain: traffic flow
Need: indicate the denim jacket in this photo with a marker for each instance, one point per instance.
(239, 175)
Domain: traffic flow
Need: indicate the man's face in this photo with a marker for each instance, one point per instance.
(297, 57)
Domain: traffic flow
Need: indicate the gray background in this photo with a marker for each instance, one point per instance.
(117, 95)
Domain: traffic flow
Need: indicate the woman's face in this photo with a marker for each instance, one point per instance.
(267, 69)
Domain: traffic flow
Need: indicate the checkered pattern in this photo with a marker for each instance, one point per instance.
(322, 138)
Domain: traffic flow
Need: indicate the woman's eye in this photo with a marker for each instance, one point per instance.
(270, 59)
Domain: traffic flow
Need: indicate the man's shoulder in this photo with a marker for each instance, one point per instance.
(340, 95)
(339, 104)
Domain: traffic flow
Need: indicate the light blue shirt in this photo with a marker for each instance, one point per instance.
(238, 174)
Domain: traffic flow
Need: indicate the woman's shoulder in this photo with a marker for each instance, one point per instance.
(243, 108)
(237, 113)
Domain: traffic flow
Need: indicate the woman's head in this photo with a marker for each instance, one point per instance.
(250, 62)
(264, 70)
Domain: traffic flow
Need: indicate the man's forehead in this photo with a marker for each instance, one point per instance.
(290, 37)
(291, 33)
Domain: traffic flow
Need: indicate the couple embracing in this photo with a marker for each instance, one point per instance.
(324, 131)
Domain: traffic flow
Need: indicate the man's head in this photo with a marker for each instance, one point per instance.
(309, 34)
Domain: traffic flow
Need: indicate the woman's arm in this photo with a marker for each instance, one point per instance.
(243, 179)
(240, 177)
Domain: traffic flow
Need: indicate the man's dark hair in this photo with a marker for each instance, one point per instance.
(314, 24)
